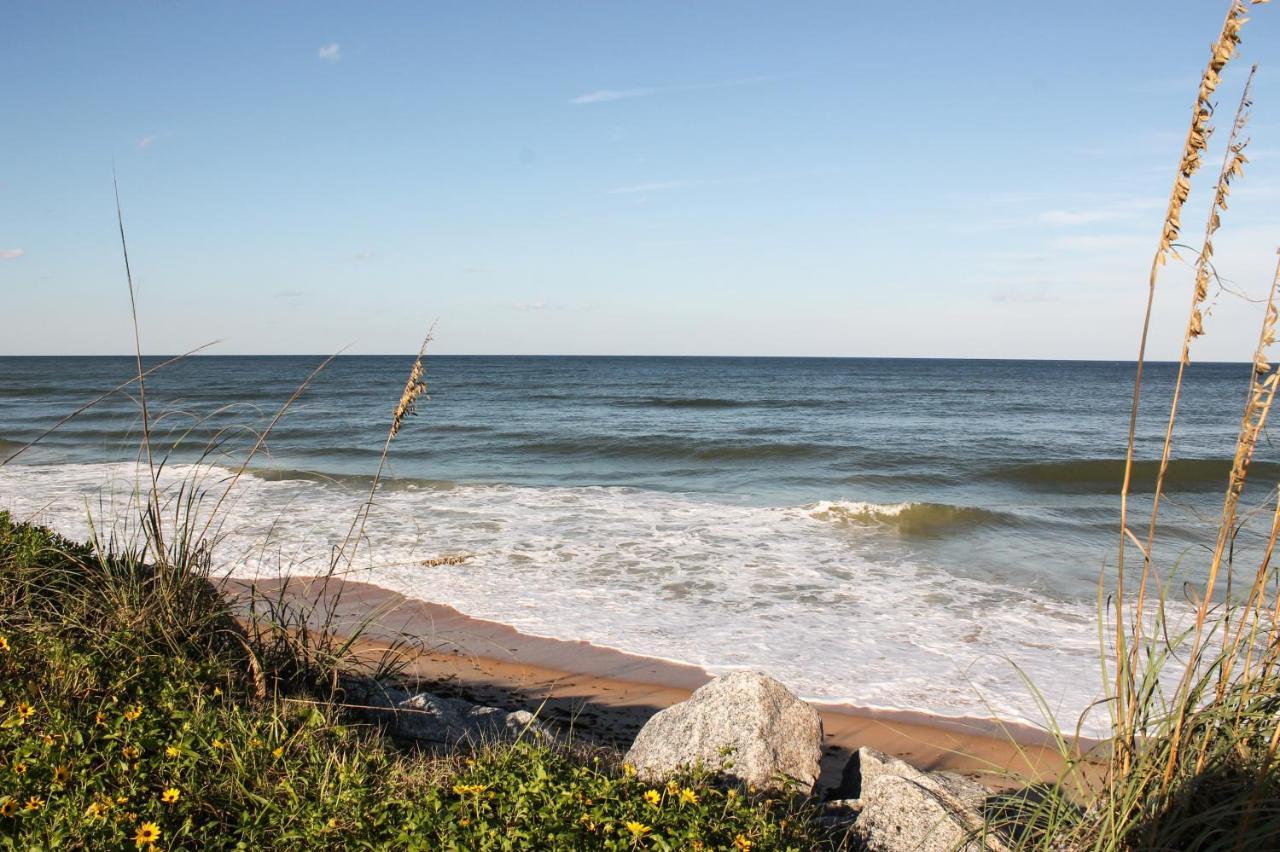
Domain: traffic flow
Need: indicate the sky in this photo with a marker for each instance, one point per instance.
(935, 179)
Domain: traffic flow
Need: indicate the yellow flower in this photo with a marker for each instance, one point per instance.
(130, 752)
(8, 806)
(19, 769)
(732, 794)
(170, 795)
(673, 787)
(172, 751)
(218, 744)
(61, 775)
(653, 797)
(148, 833)
(4, 644)
(688, 797)
(133, 713)
(120, 800)
(25, 711)
(741, 843)
(628, 770)
(217, 690)
(95, 810)
(278, 752)
(47, 739)
(332, 823)
(99, 720)
(638, 829)
(468, 789)
(35, 803)
(464, 822)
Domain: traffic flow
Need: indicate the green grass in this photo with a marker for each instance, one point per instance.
(131, 705)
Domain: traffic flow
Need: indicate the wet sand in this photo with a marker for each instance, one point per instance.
(605, 696)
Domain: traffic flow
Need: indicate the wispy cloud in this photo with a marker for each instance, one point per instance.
(1034, 293)
(147, 141)
(664, 185)
(11, 254)
(331, 52)
(530, 306)
(1102, 243)
(655, 186)
(292, 297)
(600, 96)
(1111, 212)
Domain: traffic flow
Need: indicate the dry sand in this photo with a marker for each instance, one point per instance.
(607, 695)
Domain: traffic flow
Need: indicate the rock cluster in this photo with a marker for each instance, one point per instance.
(744, 726)
(750, 727)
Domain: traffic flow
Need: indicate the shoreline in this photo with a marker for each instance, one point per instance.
(606, 695)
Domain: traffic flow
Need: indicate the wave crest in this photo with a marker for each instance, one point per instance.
(910, 519)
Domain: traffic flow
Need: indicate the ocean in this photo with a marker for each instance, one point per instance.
(908, 534)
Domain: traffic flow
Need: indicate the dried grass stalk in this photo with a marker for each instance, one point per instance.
(414, 388)
(1263, 382)
(1223, 50)
(1232, 167)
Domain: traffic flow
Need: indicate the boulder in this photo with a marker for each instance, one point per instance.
(901, 808)
(745, 725)
(445, 721)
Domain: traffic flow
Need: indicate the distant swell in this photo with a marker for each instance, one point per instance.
(1108, 474)
(714, 402)
(911, 519)
(675, 448)
(362, 481)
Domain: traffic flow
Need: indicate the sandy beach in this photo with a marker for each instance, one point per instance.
(605, 696)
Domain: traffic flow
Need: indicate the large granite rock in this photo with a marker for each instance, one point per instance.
(744, 724)
(902, 809)
(444, 721)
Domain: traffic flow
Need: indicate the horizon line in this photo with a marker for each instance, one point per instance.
(430, 355)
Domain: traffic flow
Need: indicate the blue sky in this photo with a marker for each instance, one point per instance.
(939, 179)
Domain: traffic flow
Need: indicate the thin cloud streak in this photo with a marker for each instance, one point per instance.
(11, 254)
(600, 96)
(664, 185)
(1108, 213)
(656, 186)
(331, 52)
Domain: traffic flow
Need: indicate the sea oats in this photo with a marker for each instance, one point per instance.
(1223, 50)
(1232, 166)
(414, 388)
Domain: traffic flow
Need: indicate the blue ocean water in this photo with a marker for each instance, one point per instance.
(866, 529)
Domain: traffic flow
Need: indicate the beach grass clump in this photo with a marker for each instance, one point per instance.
(1193, 760)
(132, 717)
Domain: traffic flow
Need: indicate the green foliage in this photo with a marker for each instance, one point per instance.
(123, 724)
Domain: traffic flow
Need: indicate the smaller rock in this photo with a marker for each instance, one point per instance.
(903, 808)
(744, 724)
(445, 721)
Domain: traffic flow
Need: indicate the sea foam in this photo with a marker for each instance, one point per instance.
(807, 593)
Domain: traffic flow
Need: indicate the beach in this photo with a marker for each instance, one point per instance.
(605, 696)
